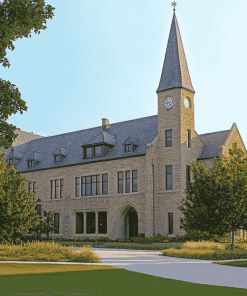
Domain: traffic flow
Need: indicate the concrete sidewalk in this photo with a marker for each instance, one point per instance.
(189, 270)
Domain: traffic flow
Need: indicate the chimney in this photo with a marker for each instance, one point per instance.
(105, 124)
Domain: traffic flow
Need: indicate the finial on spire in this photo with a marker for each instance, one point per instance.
(174, 4)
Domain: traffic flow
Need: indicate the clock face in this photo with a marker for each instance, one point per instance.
(169, 102)
(187, 103)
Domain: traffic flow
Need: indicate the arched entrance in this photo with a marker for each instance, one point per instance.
(130, 223)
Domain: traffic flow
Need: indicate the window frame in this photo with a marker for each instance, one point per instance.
(189, 138)
(56, 194)
(76, 223)
(61, 187)
(170, 223)
(56, 226)
(30, 163)
(129, 148)
(30, 188)
(121, 192)
(127, 182)
(167, 175)
(134, 178)
(77, 189)
(104, 182)
(105, 226)
(87, 226)
(167, 138)
(57, 158)
(188, 175)
(51, 189)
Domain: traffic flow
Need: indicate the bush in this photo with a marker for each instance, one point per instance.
(46, 251)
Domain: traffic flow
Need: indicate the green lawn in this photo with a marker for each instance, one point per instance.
(233, 263)
(49, 279)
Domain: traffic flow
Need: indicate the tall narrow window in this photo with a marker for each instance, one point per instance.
(127, 181)
(135, 181)
(56, 188)
(51, 187)
(93, 185)
(83, 186)
(34, 187)
(30, 163)
(61, 188)
(188, 180)
(88, 185)
(105, 184)
(170, 223)
(38, 210)
(169, 177)
(189, 138)
(98, 184)
(90, 222)
(57, 158)
(77, 186)
(56, 223)
(79, 223)
(30, 186)
(120, 182)
(168, 138)
(102, 222)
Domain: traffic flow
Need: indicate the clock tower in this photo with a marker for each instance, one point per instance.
(177, 143)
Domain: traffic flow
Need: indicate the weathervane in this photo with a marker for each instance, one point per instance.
(174, 4)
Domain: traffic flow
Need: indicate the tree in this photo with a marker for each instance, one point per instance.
(16, 206)
(17, 20)
(45, 226)
(217, 199)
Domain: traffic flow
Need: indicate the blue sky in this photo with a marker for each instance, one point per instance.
(104, 59)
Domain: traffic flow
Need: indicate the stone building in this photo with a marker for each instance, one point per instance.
(119, 180)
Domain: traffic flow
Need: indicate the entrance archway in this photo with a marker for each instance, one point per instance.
(130, 226)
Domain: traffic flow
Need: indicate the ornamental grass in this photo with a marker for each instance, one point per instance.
(46, 251)
(207, 250)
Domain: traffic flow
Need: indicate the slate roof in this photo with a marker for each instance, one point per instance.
(144, 129)
(213, 141)
(175, 71)
(22, 137)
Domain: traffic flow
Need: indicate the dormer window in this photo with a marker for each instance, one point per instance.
(93, 151)
(57, 158)
(128, 148)
(30, 163)
(11, 161)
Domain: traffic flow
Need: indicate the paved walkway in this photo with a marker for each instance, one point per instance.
(189, 270)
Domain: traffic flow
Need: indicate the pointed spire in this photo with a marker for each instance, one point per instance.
(175, 71)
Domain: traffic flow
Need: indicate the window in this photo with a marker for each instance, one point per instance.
(93, 151)
(89, 152)
(90, 185)
(127, 181)
(11, 161)
(90, 222)
(105, 184)
(34, 187)
(97, 151)
(120, 182)
(128, 148)
(77, 186)
(56, 188)
(102, 222)
(56, 223)
(61, 188)
(29, 186)
(168, 138)
(30, 163)
(135, 181)
(170, 223)
(57, 158)
(189, 138)
(188, 180)
(79, 223)
(169, 177)
(51, 187)
(38, 210)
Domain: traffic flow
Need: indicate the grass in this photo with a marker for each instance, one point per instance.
(46, 251)
(233, 263)
(208, 250)
(46, 279)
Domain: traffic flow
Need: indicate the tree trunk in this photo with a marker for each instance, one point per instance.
(232, 245)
